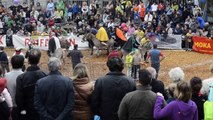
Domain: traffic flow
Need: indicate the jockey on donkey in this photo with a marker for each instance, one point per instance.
(100, 40)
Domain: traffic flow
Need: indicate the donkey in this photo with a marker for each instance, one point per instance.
(93, 41)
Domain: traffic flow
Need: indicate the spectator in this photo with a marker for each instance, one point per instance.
(38, 7)
(84, 9)
(34, 14)
(9, 34)
(208, 114)
(206, 83)
(154, 7)
(1, 26)
(157, 85)
(176, 75)
(50, 7)
(189, 40)
(83, 90)
(155, 55)
(128, 63)
(177, 30)
(69, 11)
(4, 61)
(183, 105)
(114, 53)
(54, 94)
(131, 30)
(148, 17)
(40, 27)
(201, 21)
(58, 14)
(75, 55)
(17, 62)
(199, 99)
(171, 90)
(5, 99)
(139, 104)
(110, 89)
(25, 87)
(75, 10)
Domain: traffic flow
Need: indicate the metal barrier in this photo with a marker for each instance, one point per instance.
(96, 69)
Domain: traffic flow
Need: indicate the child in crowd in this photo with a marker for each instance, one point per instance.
(189, 40)
(136, 64)
(128, 62)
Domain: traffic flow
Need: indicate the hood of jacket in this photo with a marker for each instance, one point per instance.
(186, 109)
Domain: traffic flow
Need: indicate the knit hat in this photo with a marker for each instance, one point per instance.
(2, 84)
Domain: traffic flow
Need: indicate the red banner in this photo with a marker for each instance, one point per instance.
(203, 45)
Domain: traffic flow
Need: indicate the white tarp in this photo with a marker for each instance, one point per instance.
(170, 42)
(41, 42)
(3, 40)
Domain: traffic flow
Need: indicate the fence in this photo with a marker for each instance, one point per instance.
(95, 69)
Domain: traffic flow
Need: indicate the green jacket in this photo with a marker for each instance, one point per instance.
(138, 105)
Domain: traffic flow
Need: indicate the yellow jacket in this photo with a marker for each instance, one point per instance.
(128, 60)
(120, 8)
(143, 41)
(139, 34)
(102, 35)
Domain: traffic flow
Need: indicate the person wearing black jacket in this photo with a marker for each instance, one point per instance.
(110, 90)
(197, 97)
(54, 94)
(157, 85)
(4, 60)
(25, 87)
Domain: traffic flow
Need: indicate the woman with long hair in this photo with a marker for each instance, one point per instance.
(83, 90)
(183, 108)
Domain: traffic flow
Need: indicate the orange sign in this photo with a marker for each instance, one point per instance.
(203, 45)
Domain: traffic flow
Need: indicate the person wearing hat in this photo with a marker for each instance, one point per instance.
(18, 51)
(4, 60)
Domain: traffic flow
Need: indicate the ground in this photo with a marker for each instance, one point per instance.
(193, 64)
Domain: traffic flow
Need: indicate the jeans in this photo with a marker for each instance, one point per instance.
(135, 69)
(156, 66)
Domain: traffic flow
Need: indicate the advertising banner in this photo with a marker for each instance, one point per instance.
(203, 45)
(3, 40)
(41, 42)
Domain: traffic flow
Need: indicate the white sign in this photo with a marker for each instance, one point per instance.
(41, 42)
(3, 40)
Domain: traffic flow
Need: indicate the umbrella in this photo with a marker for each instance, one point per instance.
(120, 34)
(102, 35)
